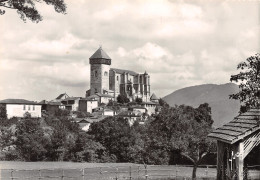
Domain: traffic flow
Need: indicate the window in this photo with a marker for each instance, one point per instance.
(24, 107)
(96, 90)
(95, 73)
(33, 107)
(105, 73)
(117, 78)
(29, 107)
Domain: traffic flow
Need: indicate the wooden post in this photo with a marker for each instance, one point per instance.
(62, 176)
(146, 172)
(240, 160)
(83, 174)
(220, 160)
(100, 173)
(116, 173)
(12, 177)
(40, 174)
(130, 172)
(176, 171)
(207, 170)
(138, 173)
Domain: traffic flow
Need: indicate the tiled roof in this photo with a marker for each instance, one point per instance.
(100, 54)
(43, 102)
(242, 126)
(154, 97)
(104, 95)
(71, 98)
(61, 95)
(56, 103)
(122, 71)
(17, 101)
(90, 98)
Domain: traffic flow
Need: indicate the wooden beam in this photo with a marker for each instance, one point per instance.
(240, 160)
(250, 142)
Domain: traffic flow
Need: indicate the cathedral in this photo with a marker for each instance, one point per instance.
(111, 81)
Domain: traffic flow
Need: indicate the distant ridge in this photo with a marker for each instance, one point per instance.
(223, 109)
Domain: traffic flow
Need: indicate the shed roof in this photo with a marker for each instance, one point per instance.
(100, 54)
(240, 127)
(122, 71)
(18, 101)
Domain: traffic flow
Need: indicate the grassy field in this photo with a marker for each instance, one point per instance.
(96, 171)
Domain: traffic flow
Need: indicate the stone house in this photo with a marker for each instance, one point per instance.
(150, 106)
(51, 106)
(87, 104)
(71, 103)
(18, 107)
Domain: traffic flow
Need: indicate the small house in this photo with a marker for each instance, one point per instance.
(87, 104)
(18, 107)
(71, 103)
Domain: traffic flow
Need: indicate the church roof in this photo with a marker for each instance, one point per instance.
(240, 127)
(100, 54)
(122, 71)
(154, 97)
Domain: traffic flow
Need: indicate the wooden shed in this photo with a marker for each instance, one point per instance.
(235, 140)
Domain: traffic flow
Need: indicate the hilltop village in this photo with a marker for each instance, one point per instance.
(113, 92)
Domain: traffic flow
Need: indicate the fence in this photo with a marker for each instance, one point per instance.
(118, 173)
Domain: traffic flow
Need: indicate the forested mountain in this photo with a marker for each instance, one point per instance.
(217, 96)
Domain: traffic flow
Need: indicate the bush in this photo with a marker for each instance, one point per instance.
(122, 99)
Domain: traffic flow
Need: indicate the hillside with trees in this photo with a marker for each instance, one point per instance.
(175, 135)
(223, 108)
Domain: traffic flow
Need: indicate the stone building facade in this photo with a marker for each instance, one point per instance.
(112, 81)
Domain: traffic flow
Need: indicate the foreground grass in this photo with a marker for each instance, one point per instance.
(96, 171)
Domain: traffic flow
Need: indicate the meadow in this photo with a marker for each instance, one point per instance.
(103, 171)
(96, 171)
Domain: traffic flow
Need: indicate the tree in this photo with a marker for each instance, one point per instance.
(3, 112)
(138, 100)
(27, 8)
(30, 140)
(122, 99)
(249, 79)
(182, 130)
(119, 139)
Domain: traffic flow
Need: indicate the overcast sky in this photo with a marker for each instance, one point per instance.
(179, 43)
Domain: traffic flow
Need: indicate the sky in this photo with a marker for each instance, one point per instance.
(179, 43)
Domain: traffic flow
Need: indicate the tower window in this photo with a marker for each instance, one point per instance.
(117, 78)
(95, 73)
(105, 73)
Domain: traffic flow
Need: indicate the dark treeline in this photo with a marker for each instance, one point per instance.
(177, 135)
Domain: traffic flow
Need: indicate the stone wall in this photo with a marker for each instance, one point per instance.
(99, 78)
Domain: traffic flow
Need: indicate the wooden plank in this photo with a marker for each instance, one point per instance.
(234, 128)
(222, 137)
(242, 125)
(227, 132)
(246, 121)
(250, 142)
